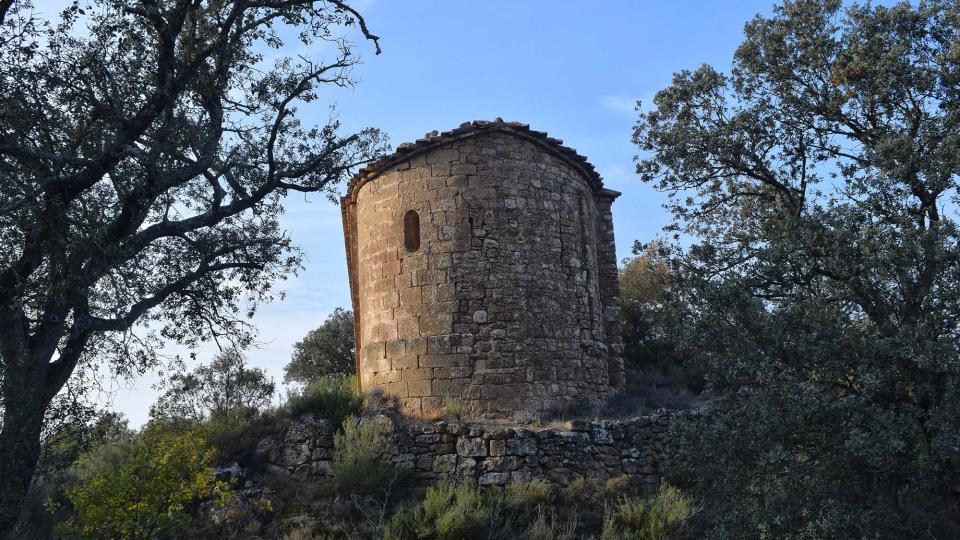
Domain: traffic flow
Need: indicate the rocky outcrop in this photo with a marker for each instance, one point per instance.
(641, 448)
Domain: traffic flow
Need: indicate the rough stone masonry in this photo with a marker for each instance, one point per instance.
(641, 448)
(483, 274)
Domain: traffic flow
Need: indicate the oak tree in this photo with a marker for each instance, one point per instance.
(224, 389)
(326, 351)
(146, 147)
(817, 182)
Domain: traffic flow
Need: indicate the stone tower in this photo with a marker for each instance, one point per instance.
(483, 273)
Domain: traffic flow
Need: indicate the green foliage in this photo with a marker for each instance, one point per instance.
(817, 185)
(648, 308)
(327, 351)
(223, 389)
(142, 487)
(453, 410)
(229, 437)
(334, 399)
(659, 371)
(144, 209)
(455, 511)
(361, 462)
(661, 517)
(449, 511)
(552, 523)
(528, 496)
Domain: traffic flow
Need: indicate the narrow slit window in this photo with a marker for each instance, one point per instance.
(411, 230)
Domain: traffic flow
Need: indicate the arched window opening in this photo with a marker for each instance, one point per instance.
(411, 230)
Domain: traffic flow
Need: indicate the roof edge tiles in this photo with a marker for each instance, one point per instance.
(436, 139)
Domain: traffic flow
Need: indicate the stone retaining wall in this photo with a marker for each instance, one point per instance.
(641, 448)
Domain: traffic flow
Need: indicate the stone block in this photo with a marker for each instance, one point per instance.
(436, 324)
(494, 479)
(448, 387)
(602, 436)
(443, 155)
(522, 447)
(417, 345)
(452, 372)
(391, 269)
(418, 388)
(410, 296)
(438, 344)
(501, 464)
(466, 466)
(398, 389)
(404, 362)
(445, 463)
(471, 447)
(444, 360)
(417, 374)
(463, 168)
(396, 348)
(408, 326)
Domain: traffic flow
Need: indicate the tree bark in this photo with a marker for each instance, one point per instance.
(24, 389)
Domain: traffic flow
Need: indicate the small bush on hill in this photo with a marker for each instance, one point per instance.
(453, 411)
(334, 399)
(361, 463)
(453, 510)
(448, 511)
(661, 517)
(528, 496)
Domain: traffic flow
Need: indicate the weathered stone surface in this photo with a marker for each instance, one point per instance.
(471, 447)
(640, 448)
(503, 299)
(494, 479)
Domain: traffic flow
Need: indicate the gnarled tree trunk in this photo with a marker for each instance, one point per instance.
(22, 384)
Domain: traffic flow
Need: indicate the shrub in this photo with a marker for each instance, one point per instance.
(361, 461)
(664, 516)
(377, 401)
(144, 491)
(453, 411)
(528, 496)
(547, 526)
(452, 510)
(226, 435)
(334, 399)
(449, 510)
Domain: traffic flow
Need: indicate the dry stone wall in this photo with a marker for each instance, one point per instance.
(641, 448)
(508, 303)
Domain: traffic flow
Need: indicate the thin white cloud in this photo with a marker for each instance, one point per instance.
(619, 104)
(618, 175)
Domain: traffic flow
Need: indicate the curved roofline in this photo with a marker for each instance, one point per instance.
(466, 130)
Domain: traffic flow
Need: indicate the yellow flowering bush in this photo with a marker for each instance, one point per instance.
(147, 491)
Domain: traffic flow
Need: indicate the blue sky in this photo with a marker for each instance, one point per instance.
(571, 68)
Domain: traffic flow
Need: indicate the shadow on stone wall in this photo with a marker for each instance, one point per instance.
(640, 448)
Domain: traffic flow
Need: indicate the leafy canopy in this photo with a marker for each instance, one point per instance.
(146, 491)
(817, 182)
(223, 389)
(327, 351)
(145, 152)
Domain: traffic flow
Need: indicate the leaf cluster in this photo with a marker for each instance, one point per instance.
(816, 184)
